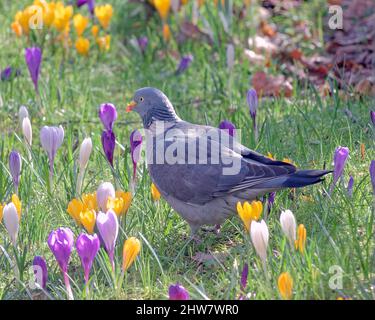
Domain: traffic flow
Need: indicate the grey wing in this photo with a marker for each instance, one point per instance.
(230, 167)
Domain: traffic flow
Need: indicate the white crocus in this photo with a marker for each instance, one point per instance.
(22, 114)
(104, 191)
(288, 225)
(84, 153)
(11, 221)
(27, 130)
(259, 236)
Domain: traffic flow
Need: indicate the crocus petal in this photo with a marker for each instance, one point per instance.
(184, 63)
(109, 144)
(40, 271)
(372, 175)
(107, 115)
(33, 57)
(339, 160)
(259, 236)
(85, 152)
(178, 292)
(87, 247)
(105, 191)
(107, 224)
(229, 126)
(252, 101)
(61, 242)
(15, 162)
(11, 221)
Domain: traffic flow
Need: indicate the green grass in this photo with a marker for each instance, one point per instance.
(305, 128)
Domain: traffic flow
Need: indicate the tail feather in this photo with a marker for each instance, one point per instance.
(296, 180)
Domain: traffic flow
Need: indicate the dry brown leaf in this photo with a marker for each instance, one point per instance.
(268, 85)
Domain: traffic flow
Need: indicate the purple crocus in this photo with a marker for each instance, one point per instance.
(350, 186)
(178, 292)
(107, 115)
(40, 271)
(142, 43)
(339, 160)
(33, 57)
(135, 149)
(372, 117)
(61, 243)
(372, 174)
(229, 126)
(6, 73)
(270, 201)
(109, 144)
(51, 139)
(87, 247)
(90, 4)
(244, 275)
(15, 163)
(184, 63)
(107, 224)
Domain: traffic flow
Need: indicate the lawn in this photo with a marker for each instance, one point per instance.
(304, 126)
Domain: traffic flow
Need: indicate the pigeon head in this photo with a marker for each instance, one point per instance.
(152, 105)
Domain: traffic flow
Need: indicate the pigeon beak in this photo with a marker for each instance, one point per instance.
(131, 106)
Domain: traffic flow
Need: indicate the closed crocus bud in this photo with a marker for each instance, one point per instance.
(300, 243)
(51, 139)
(107, 115)
(230, 56)
(285, 285)
(109, 144)
(372, 175)
(40, 271)
(178, 292)
(22, 114)
(288, 225)
(33, 58)
(244, 275)
(228, 126)
(87, 247)
(155, 194)
(107, 224)
(27, 130)
(184, 63)
(132, 247)
(350, 186)
(259, 236)
(104, 191)
(84, 153)
(339, 161)
(15, 162)
(252, 101)
(11, 221)
(372, 117)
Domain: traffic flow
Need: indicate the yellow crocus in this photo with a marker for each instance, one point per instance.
(48, 11)
(89, 201)
(17, 203)
(83, 46)
(166, 32)
(104, 14)
(95, 30)
(63, 15)
(285, 285)
(127, 199)
(1, 211)
(163, 7)
(80, 23)
(300, 243)
(270, 156)
(104, 43)
(88, 219)
(132, 247)
(287, 160)
(75, 207)
(249, 212)
(121, 203)
(155, 192)
(17, 29)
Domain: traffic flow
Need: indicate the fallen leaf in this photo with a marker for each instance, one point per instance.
(267, 85)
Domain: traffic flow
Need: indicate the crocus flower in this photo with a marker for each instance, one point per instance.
(109, 144)
(22, 114)
(11, 221)
(88, 218)
(87, 247)
(135, 149)
(163, 7)
(288, 225)
(350, 186)
(82, 46)
(104, 14)
(259, 236)
(244, 275)
(27, 131)
(339, 160)
(90, 4)
(230, 56)
(132, 247)
(40, 271)
(228, 126)
(372, 174)
(142, 43)
(300, 243)
(84, 153)
(372, 117)
(121, 203)
(184, 63)
(6, 73)
(33, 57)
(61, 243)
(178, 292)
(15, 163)
(105, 190)
(270, 201)
(285, 285)
(80, 23)
(252, 101)
(107, 224)
(51, 139)
(249, 212)
(155, 194)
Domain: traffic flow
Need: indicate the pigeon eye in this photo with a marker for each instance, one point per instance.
(141, 99)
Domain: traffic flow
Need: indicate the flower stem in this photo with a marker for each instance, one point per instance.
(68, 287)
(80, 180)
